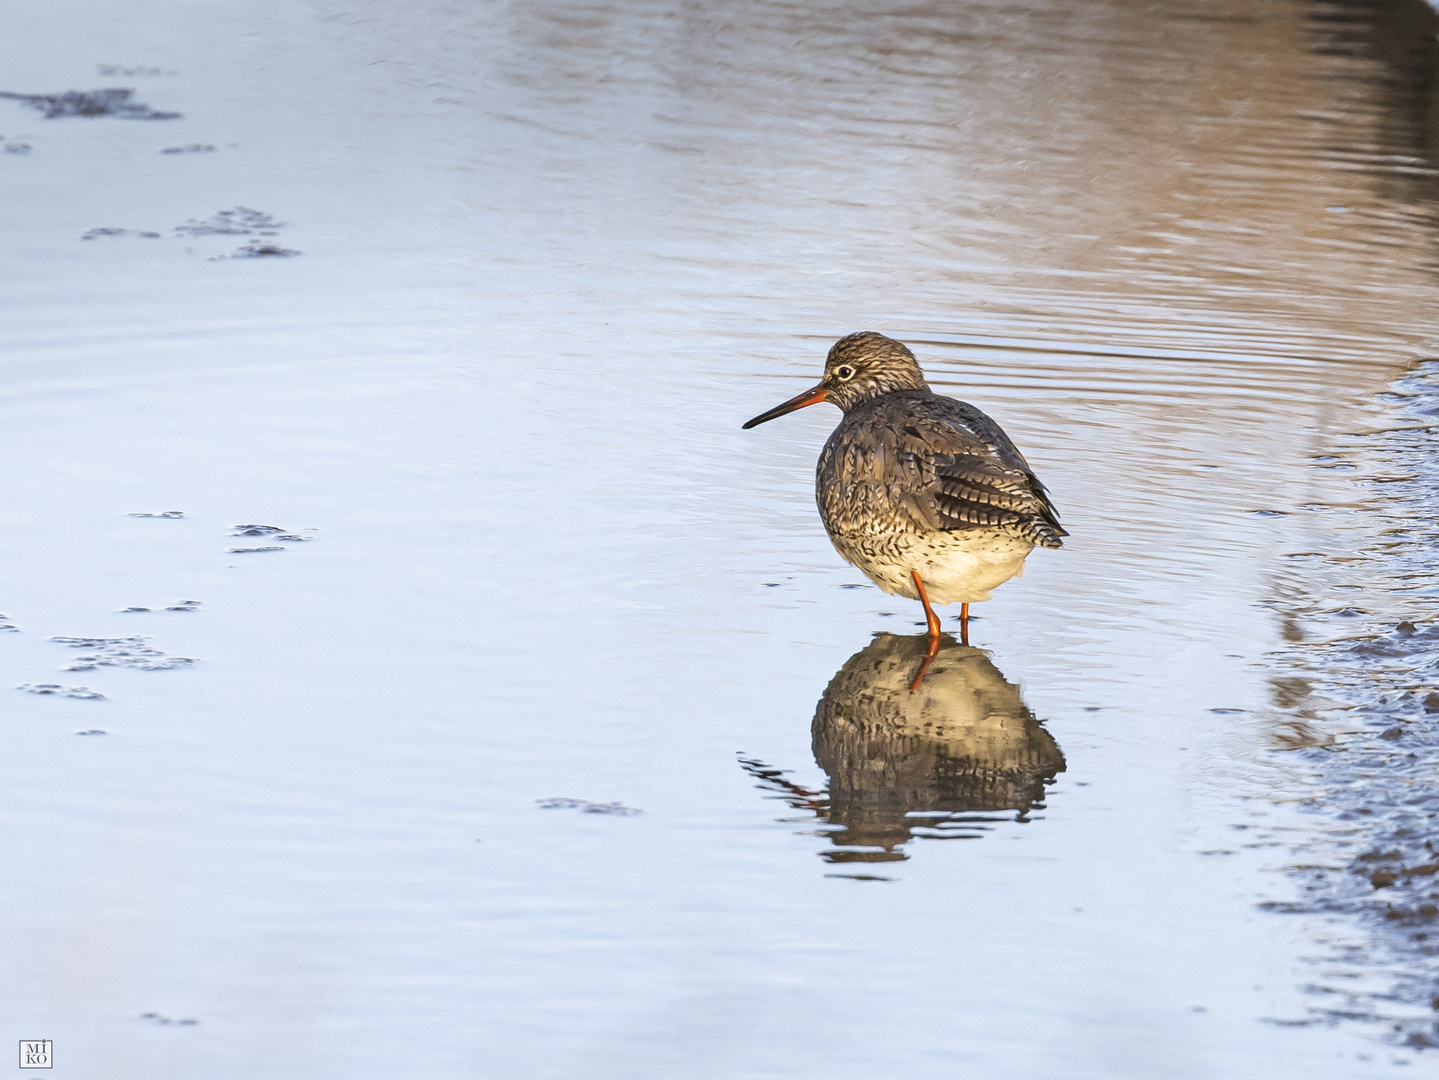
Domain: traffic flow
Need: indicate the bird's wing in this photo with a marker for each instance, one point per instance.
(956, 469)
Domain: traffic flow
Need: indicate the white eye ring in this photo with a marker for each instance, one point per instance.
(844, 373)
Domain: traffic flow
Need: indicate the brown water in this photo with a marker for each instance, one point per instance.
(553, 254)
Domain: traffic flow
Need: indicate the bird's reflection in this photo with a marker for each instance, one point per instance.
(942, 760)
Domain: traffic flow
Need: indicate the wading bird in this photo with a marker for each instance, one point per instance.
(925, 494)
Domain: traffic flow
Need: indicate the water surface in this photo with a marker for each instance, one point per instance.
(552, 255)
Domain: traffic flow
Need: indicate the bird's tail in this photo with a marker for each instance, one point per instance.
(1042, 533)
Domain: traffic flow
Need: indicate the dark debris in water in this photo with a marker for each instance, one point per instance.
(189, 148)
(130, 652)
(112, 101)
(241, 221)
(255, 250)
(272, 532)
(83, 693)
(158, 1018)
(269, 532)
(111, 71)
(179, 605)
(95, 234)
(586, 806)
(171, 514)
(13, 147)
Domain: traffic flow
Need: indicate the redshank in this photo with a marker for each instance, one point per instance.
(965, 741)
(925, 494)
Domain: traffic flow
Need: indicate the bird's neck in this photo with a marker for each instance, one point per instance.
(880, 388)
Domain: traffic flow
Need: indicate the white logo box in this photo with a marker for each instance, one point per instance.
(36, 1054)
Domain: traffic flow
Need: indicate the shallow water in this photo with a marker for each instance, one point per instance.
(545, 259)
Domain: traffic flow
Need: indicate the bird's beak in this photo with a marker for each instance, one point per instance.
(813, 396)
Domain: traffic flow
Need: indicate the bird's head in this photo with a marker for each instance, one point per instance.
(859, 367)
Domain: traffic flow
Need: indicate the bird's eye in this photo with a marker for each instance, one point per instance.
(844, 373)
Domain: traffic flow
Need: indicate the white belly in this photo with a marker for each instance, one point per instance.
(957, 567)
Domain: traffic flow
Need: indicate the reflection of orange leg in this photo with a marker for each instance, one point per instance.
(964, 624)
(931, 620)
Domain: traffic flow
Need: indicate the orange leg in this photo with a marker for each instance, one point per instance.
(931, 620)
(964, 624)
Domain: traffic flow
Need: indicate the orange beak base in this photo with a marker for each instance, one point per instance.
(813, 396)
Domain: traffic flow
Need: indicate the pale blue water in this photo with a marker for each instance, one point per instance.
(553, 256)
